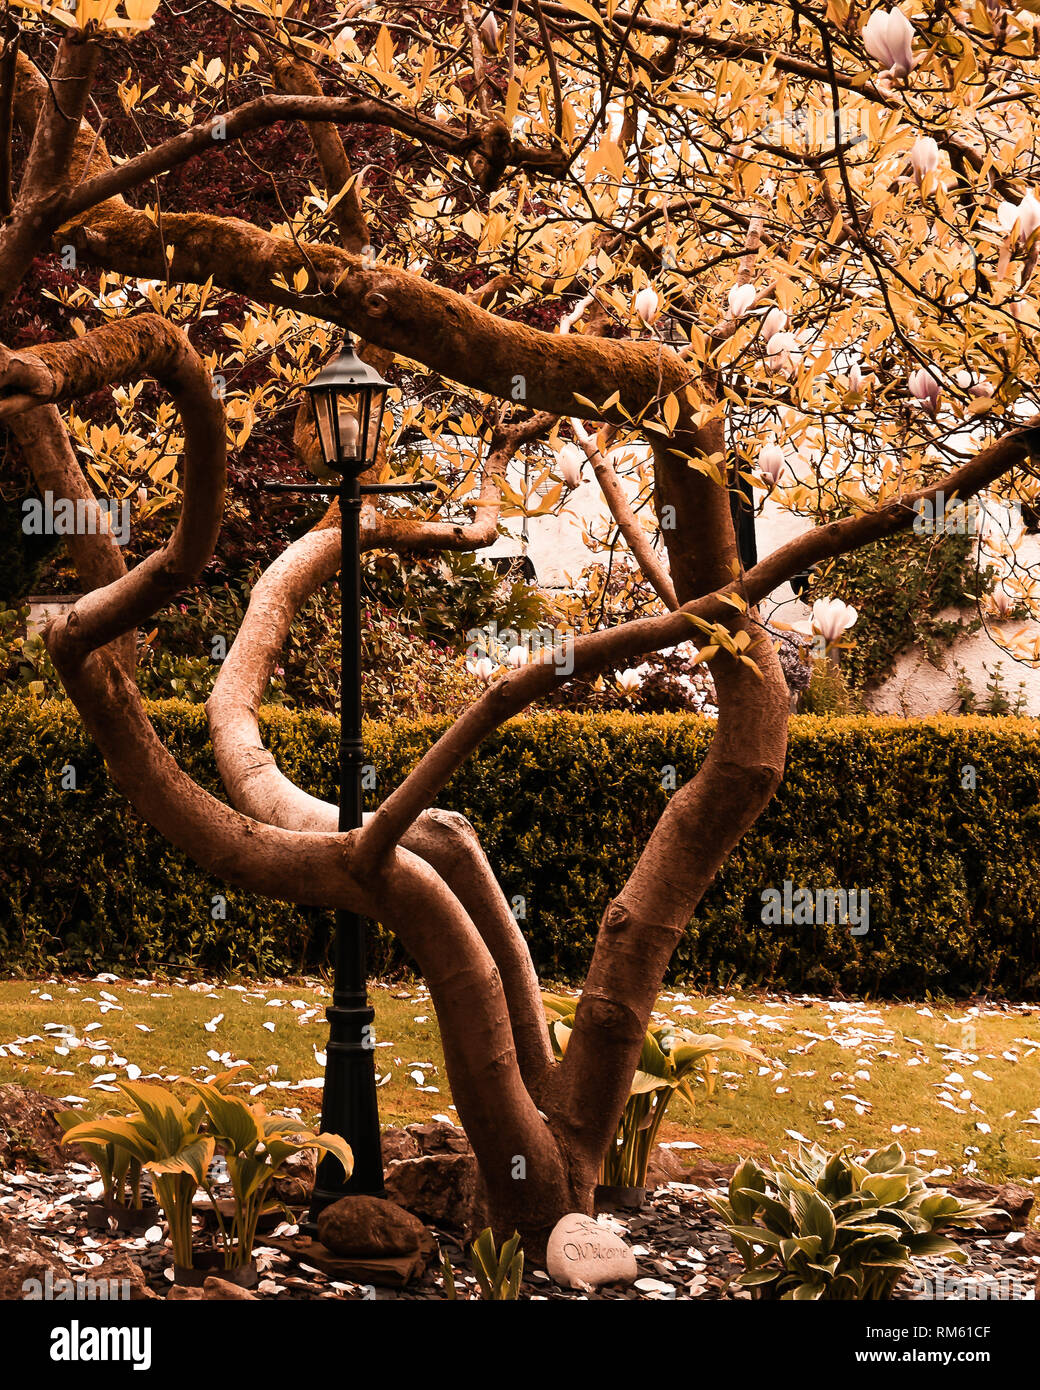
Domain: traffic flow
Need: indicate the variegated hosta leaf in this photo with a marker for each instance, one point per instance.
(830, 1226)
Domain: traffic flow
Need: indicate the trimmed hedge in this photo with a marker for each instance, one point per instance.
(563, 804)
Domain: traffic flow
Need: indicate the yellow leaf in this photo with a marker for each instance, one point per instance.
(385, 50)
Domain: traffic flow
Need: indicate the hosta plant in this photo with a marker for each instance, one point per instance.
(165, 1137)
(498, 1272)
(175, 1143)
(119, 1170)
(255, 1146)
(833, 1226)
(672, 1061)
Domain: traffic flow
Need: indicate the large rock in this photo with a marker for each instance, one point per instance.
(397, 1144)
(439, 1187)
(360, 1226)
(27, 1267)
(582, 1254)
(1014, 1203)
(439, 1137)
(124, 1275)
(30, 1135)
(664, 1166)
(216, 1288)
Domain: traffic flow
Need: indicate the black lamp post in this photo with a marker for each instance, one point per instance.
(348, 398)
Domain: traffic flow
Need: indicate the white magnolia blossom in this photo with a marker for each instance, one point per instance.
(1001, 603)
(924, 158)
(647, 304)
(858, 382)
(783, 352)
(570, 460)
(1025, 215)
(740, 300)
(923, 387)
(343, 42)
(978, 389)
(772, 462)
(628, 680)
(483, 668)
(774, 322)
(516, 657)
(888, 37)
(489, 34)
(832, 619)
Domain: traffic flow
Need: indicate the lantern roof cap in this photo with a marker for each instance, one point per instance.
(346, 372)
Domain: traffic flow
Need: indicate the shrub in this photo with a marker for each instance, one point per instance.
(938, 819)
(833, 1227)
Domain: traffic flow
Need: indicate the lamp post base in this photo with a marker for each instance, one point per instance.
(349, 1109)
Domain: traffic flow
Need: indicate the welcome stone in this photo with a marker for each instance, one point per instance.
(582, 1254)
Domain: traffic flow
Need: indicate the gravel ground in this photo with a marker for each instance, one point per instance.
(681, 1248)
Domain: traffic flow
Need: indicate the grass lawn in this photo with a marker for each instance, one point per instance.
(957, 1086)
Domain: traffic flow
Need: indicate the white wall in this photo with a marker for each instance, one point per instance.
(559, 554)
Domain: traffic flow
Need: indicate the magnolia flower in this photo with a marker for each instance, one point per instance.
(516, 656)
(858, 383)
(629, 680)
(1001, 603)
(647, 304)
(570, 459)
(489, 34)
(783, 351)
(832, 619)
(740, 300)
(1026, 216)
(342, 42)
(924, 158)
(888, 37)
(924, 388)
(774, 322)
(483, 669)
(771, 462)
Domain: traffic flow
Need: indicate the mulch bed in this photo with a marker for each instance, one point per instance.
(681, 1248)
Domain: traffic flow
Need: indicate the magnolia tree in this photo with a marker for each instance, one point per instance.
(787, 244)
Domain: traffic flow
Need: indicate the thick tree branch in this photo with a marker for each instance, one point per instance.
(144, 345)
(258, 788)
